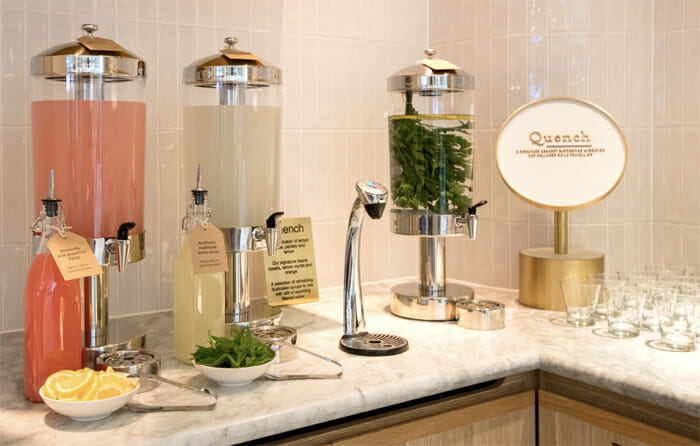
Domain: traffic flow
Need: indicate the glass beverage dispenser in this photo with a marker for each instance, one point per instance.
(89, 125)
(430, 138)
(232, 127)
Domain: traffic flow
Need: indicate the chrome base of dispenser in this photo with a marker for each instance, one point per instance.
(259, 314)
(427, 224)
(410, 301)
(90, 354)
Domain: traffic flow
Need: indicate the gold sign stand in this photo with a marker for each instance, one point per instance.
(541, 268)
(559, 154)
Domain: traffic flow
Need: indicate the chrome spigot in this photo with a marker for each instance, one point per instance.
(473, 220)
(371, 198)
(273, 229)
(124, 245)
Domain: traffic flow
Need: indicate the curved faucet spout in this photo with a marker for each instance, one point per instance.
(371, 199)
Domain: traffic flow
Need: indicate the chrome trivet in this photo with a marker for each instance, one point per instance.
(373, 344)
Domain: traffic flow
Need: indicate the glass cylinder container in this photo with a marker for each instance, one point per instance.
(89, 124)
(232, 124)
(430, 138)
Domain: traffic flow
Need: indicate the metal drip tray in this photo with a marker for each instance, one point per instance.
(373, 344)
(131, 361)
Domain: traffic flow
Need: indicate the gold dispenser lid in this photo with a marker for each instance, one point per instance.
(89, 56)
(231, 66)
(431, 76)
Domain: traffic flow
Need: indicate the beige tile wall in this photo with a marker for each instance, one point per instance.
(677, 131)
(335, 56)
(523, 50)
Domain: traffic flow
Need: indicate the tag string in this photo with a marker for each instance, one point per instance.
(61, 230)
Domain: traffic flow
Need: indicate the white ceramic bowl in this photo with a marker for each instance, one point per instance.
(231, 377)
(88, 410)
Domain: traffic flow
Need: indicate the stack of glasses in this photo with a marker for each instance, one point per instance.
(662, 299)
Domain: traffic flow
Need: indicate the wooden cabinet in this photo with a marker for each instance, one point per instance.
(505, 421)
(564, 421)
(532, 408)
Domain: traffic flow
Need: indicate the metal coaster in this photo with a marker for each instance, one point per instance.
(373, 344)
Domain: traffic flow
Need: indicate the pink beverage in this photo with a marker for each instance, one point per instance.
(97, 149)
(52, 330)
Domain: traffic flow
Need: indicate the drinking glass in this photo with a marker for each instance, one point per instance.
(625, 311)
(668, 272)
(656, 292)
(678, 318)
(580, 299)
(605, 280)
(637, 275)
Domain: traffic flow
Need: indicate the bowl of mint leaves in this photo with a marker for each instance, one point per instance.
(234, 361)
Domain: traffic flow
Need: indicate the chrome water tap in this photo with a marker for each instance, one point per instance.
(371, 199)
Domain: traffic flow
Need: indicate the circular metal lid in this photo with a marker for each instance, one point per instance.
(274, 333)
(130, 361)
(477, 314)
(89, 56)
(231, 66)
(431, 75)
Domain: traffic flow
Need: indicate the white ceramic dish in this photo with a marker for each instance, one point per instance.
(233, 377)
(88, 410)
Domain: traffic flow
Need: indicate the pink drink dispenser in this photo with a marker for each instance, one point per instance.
(89, 125)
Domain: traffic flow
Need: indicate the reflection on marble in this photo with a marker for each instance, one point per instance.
(441, 357)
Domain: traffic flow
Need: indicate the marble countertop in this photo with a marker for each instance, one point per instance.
(442, 356)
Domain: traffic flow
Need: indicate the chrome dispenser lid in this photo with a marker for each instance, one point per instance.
(231, 66)
(89, 56)
(431, 75)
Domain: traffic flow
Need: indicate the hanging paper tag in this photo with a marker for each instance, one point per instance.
(207, 249)
(291, 273)
(439, 64)
(100, 44)
(73, 256)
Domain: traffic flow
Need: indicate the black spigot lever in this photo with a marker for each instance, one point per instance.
(124, 228)
(124, 244)
(271, 222)
(472, 210)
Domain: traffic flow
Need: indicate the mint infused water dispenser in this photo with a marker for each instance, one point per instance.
(431, 123)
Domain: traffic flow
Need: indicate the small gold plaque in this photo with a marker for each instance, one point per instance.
(290, 274)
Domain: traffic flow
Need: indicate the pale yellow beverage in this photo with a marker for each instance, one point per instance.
(199, 306)
(238, 147)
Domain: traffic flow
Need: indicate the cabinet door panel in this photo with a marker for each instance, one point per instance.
(508, 420)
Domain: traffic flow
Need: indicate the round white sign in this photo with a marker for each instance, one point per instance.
(561, 153)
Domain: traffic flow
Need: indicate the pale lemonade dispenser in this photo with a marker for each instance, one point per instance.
(432, 165)
(232, 127)
(88, 124)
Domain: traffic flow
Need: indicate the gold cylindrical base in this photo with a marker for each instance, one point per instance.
(541, 269)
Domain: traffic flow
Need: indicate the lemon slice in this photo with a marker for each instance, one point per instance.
(108, 392)
(52, 381)
(116, 380)
(76, 385)
(47, 392)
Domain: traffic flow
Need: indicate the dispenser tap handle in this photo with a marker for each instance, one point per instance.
(272, 233)
(124, 244)
(273, 220)
(472, 210)
(124, 228)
